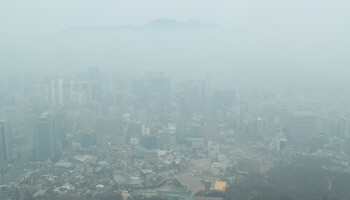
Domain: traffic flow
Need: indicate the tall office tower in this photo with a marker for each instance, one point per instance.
(191, 92)
(40, 93)
(109, 125)
(135, 130)
(335, 128)
(211, 131)
(54, 92)
(118, 98)
(5, 141)
(85, 86)
(316, 143)
(12, 114)
(344, 127)
(182, 106)
(280, 142)
(217, 100)
(139, 90)
(60, 123)
(49, 133)
(203, 92)
(96, 92)
(181, 130)
(96, 109)
(229, 98)
(87, 138)
(347, 146)
(259, 126)
(109, 130)
(303, 127)
(250, 129)
(7, 101)
(223, 99)
(61, 92)
(78, 100)
(163, 137)
(120, 81)
(217, 95)
(161, 85)
(2, 82)
(196, 131)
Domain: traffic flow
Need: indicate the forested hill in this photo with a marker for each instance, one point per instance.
(300, 180)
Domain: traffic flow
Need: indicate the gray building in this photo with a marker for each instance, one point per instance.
(303, 127)
(181, 131)
(87, 138)
(48, 134)
(5, 141)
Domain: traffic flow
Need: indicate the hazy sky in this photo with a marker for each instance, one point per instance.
(311, 35)
(22, 17)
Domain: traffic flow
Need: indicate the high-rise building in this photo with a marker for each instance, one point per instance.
(229, 98)
(85, 86)
(135, 130)
(62, 91)
(5, 141)
(259, 126)
(40, 93)
(196, 131)
(78, 100)
(96, 92)
(316, 143)
(344, 128)
(12, 114)
(303, 127)
(223, 99)
(347, 146)
(203, 92)
(189, 96)
(88, 138)
(44, 139)
(217, 100)
(49, 134)
(211, 131)
(120, 81)
(109, 131)
(118, 98)
(182, 105)
(281, 144)
(163, 137)
(138, 88)
(161, 85)
(181, 130)
(109, 125)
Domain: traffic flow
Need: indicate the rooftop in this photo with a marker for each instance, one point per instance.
(220, 185)
(188, 180)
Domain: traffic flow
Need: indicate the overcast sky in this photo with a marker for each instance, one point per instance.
(312, 34)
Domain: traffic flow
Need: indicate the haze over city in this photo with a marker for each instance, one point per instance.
(165, 100)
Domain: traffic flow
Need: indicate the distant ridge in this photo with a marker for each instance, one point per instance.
(155, 24)
(169, 22)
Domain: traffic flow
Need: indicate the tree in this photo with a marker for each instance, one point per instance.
(17, 196)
